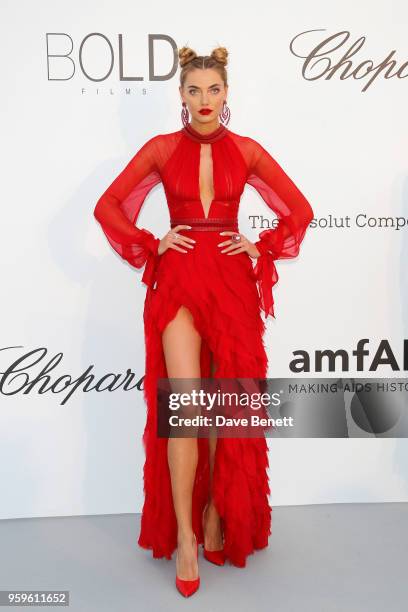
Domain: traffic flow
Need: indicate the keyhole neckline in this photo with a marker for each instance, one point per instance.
(213, 136)
(206, 216)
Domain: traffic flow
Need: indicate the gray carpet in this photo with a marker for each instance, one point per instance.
(321, 558)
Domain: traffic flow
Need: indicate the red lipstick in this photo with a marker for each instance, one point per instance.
(205, 111)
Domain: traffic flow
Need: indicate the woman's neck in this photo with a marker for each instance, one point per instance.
(210, 136)
(205, 128)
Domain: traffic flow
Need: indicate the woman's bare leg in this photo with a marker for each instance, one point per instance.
(182, 345)
(213, 531)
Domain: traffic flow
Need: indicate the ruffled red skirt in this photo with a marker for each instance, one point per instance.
(221, 293)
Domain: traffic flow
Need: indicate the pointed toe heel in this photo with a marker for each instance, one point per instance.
(215, 556)
(188, 587)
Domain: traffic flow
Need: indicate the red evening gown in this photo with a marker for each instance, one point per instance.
(226, 296)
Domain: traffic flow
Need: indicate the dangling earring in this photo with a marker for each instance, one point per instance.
(185, 114)
(225, 114)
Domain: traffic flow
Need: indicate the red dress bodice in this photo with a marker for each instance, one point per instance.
(174, 160)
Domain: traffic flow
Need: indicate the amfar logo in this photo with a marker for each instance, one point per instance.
(362, 359)
(331, 57)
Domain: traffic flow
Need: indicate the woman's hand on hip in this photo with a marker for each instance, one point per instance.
(243, 246)
(174, 240)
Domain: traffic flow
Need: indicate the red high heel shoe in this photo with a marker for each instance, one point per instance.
(214, 556)
(188, 587)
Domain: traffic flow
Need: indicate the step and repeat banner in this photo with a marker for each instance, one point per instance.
(323, 88)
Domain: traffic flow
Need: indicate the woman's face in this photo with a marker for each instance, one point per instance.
(204, 88)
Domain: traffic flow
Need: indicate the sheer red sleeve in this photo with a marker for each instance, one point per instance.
(118, 208)
(294, 216)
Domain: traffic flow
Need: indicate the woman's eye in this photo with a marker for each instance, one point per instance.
(214, 91)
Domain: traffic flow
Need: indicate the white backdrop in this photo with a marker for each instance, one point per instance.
(66, 294)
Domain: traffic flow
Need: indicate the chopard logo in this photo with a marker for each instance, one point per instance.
(32, 372)
(336, 56)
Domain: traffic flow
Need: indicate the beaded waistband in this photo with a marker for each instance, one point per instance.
(209, 225)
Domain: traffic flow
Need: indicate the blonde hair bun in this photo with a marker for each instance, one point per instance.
(220, 54)
(186, 55)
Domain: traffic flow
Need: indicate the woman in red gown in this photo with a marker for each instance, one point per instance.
(203, 314)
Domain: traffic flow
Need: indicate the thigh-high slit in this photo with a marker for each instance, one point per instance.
(222, 297)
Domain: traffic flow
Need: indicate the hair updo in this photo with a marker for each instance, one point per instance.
(189, 60)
